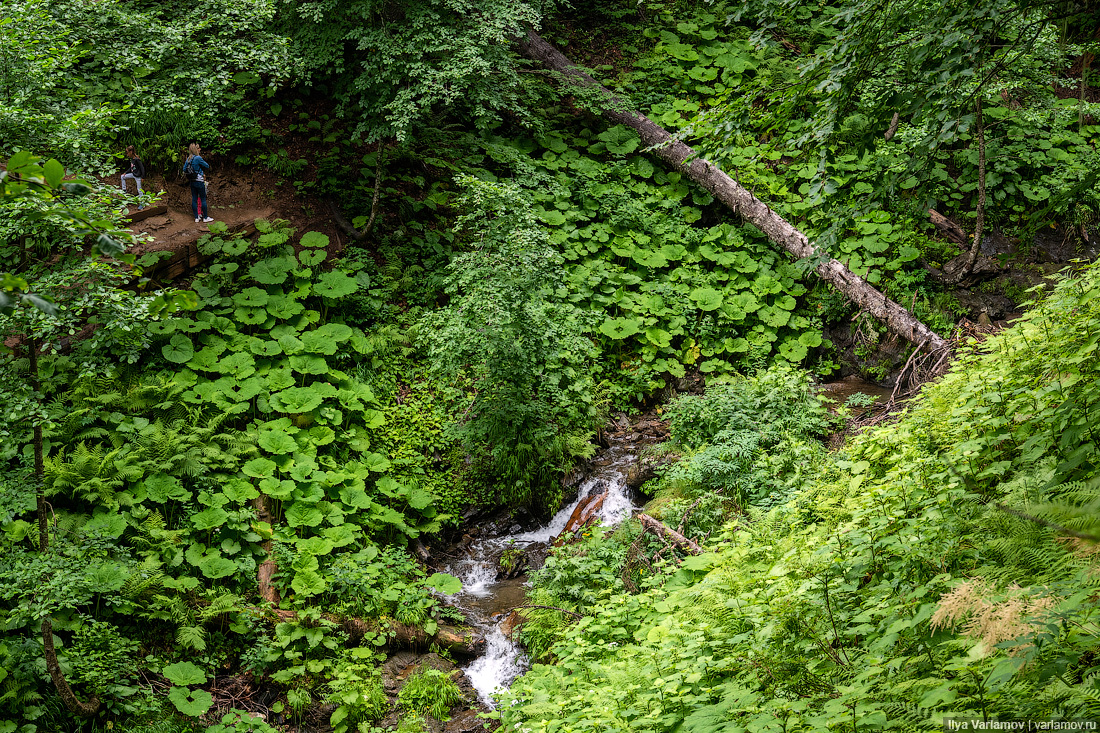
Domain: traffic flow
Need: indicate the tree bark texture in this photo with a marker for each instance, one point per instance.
(267, 569)
(979, 214)
(684, 159)
(663, 530)
(456, 639)
(68, 697)
(949, 229)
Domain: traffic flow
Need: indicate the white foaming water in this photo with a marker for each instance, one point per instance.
(494, 671)
(477, 577)
(503, 659)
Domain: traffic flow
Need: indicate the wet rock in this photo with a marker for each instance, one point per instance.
(511, 622)
(536, 556)
(984, 268)
(646, 467)
(401, 666)
(393, 670)
(993, 305)
(467, 721)
(511, 563)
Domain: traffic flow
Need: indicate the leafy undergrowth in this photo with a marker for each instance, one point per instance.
(247, 433)
(943, 565)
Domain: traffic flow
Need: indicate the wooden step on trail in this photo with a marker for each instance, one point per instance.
(146, 213)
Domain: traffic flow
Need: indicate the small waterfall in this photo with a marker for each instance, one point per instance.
(501, 663)
(483, 597)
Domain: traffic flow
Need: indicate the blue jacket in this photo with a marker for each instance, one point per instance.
(200, 166)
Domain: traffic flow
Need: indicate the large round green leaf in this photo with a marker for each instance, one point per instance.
(308, 583)
(444, 583)
(184, 673)
(291, 344)
(111, 524)
(259, 467)
(277, 442)
(239, 491)
(319, 342)
(620, 328)
(296, 400)
(335, 284)
(314, 239)
(191, 702)
(250, 316)
(301, 514)
(376, 462)
(309, 364)
(341, 535)
(160, 487)
(179, 349)
(251, 298)
(810, 339)
(275, 488)
(284, 306)
(658, 336)
(708, 299)
(215, 566)
(209, 518)
(279, 378)
(315, 545)
(272, 271)
(619, 140)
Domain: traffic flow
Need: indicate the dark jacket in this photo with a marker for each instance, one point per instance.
(136, 167)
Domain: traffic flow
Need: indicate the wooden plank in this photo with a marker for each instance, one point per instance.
(146, 213)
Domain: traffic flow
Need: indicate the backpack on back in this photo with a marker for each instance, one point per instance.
(190, 171)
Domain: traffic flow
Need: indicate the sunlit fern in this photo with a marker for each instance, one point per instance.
(93, 474)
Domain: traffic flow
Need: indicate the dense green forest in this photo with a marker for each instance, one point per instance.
(444, 266)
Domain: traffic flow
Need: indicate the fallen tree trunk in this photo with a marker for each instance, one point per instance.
(456, 639)
(663, 530)
(777, 229)
(949, 229)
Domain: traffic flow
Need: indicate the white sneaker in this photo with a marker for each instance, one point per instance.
(209, 218)
(197, 220)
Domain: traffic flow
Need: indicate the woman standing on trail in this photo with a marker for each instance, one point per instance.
(196, 169)
(133, 170)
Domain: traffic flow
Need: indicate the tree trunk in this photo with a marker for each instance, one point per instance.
(733, 195)
(345, 226)
(75, 706)
(979, 217)
(669, 534)
(267, 568)
(1086, 61)
(456, 639)
(949, 229)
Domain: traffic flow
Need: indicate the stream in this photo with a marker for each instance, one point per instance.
(488, 601)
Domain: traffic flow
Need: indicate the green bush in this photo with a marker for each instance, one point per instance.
(356, 689)
(430, 692)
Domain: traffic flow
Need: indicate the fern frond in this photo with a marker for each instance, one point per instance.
(191, 637)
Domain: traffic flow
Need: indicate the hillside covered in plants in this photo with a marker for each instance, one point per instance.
(456, 253)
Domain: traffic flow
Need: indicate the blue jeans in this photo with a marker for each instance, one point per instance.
(132, 177)
(198, 196)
